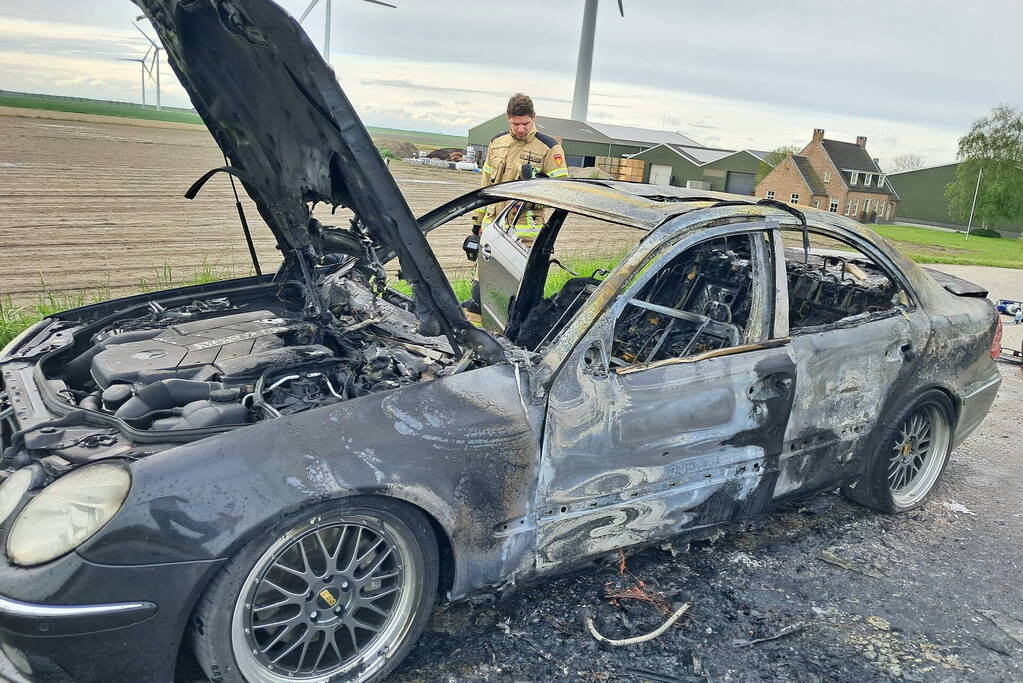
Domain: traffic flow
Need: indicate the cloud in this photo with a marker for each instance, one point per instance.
(410, 85)
(425, 103)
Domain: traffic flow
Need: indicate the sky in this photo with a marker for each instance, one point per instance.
(911, 75)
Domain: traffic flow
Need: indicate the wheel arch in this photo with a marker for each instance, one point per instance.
(440, 517)
(953, 399)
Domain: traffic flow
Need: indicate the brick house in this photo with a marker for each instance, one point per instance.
(834, 176)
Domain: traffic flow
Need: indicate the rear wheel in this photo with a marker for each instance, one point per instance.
(910, 456)
(339, 593)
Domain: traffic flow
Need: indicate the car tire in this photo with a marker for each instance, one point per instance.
(349, 584)
(910, 454)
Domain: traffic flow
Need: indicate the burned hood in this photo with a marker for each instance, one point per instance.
(293, 138)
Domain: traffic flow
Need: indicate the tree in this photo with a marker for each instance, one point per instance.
(774, 157)
(993, 152)
(906, 162)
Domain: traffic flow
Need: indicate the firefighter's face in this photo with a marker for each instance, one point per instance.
(519, 126)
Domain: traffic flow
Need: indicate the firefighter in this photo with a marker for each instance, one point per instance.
(521, 152)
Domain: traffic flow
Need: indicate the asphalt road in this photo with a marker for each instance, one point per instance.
(934, 595)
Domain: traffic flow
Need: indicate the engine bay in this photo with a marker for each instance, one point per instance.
(233, 360)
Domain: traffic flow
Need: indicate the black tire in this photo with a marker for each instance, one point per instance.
(235, 610)
(875, 488)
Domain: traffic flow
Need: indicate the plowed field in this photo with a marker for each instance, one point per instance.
(99, 205)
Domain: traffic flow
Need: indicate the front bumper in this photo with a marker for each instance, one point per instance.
(29, 619)
(130, 630)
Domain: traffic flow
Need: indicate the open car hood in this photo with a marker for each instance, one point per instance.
(293, 139)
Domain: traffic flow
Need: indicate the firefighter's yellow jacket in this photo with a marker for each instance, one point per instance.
(505, 158)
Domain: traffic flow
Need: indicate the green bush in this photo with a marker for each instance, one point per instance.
(985, 232)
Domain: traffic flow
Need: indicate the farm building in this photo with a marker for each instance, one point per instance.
(583, 142)
(923, 199)
(704, 168)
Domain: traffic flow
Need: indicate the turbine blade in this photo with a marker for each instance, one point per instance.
(144, 35)
(621, 8)
(381, 2)
(307, 11)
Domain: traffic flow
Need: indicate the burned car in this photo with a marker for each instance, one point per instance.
(286, 473)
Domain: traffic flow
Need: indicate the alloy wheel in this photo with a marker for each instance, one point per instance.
(325, 600)
(918, 454)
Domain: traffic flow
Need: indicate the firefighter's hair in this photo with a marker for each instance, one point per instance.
(520, 105)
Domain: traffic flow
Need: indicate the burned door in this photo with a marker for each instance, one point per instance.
(669, 413)
(502, 262)
(855, 333)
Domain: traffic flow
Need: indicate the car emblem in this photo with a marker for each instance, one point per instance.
(328, 597)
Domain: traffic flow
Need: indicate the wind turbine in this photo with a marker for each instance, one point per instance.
(156, 56)
(145, 70)
(326, 22)
(584, 66)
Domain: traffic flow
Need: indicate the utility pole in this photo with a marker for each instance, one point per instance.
(973, 206)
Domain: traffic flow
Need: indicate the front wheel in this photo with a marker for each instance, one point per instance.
(911, 454)
(337, 593)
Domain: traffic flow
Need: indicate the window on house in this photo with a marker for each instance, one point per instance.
(880, 181)
(854, 177)
(856, 206)
(880, 208)
(848, 207)
(770, 194)
(866, 206)
(834, 288)
(794, 199)
(868, 179)
(833, 207)
(816, 203)
(827, 176)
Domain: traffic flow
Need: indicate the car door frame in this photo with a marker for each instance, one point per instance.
(842, 400)
(585, 510)
(502, 261)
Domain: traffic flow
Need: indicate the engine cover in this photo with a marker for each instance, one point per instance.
(196, 350)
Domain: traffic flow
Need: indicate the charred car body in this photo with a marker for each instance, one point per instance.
(287, 472)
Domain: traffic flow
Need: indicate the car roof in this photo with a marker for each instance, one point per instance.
(644, 206)
(603, 200)
(637, 205)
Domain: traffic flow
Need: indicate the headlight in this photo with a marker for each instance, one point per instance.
(67, 513)
(14, 489)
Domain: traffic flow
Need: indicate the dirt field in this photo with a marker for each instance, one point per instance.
(86, 205)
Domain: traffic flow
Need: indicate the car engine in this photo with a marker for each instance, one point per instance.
(220, 361)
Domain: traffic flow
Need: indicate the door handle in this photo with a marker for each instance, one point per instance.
(487, 255)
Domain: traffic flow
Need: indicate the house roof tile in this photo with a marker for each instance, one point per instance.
(809, 175)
